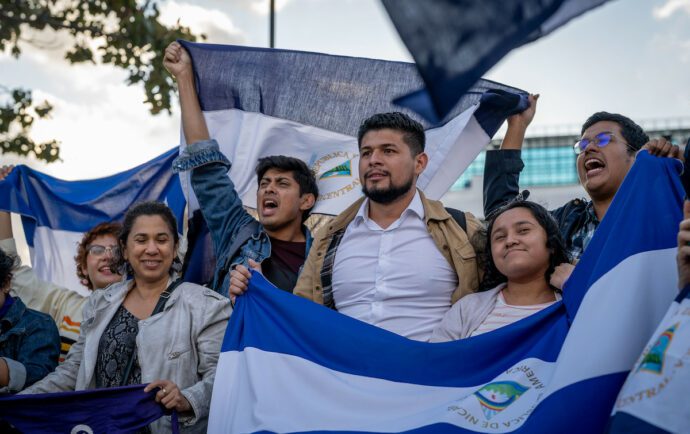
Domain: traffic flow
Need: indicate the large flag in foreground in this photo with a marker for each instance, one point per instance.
(113, 411)
(55, 213)
(455, 42)
(653, 399)
(260, 102)
(288, 365)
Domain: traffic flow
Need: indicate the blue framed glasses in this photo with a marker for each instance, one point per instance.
(600, 140)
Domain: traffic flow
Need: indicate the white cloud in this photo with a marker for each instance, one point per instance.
(105, 137)
(262, 7)
(667, 9)
(214, 23)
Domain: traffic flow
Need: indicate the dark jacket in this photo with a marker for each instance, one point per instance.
(30, 345)
(501, 184)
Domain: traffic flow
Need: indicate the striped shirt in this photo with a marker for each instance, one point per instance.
(504, 314)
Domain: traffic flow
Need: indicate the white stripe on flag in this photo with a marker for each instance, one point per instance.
(58, 249)
(244, 137)
(616, 318)
(332, 400)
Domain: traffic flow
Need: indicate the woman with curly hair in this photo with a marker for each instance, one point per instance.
(523, 246)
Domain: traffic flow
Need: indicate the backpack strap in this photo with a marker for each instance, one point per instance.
(459, 218)
(244, 234)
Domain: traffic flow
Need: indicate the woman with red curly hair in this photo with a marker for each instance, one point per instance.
(95, 252)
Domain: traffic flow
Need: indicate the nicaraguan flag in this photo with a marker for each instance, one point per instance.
(456, 42)
(112, 411)
(288, 365)
(653, 399)
(56, 213)
(259, 102)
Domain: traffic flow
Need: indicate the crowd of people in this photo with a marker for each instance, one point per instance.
(394, 259)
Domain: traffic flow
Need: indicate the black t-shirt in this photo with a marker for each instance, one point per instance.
(282, 267)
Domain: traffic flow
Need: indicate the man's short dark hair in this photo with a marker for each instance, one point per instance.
(413, 131)
(300, 172)
(632, 133)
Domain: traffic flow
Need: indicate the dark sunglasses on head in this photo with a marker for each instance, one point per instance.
(98, 250)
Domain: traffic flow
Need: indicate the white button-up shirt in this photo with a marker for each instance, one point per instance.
(393, 278)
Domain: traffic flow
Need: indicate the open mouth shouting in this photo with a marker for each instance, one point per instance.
(593, 166)
(269, 206)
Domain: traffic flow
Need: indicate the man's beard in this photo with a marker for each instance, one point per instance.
(388, 195)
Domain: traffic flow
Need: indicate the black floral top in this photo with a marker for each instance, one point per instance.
(115, 348)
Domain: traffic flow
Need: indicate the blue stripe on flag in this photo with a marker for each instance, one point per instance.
(335, 93)
(268, 308)
(79, 205)
(115, 410)
(455, 43)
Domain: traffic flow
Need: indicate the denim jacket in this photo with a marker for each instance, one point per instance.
(30, 345)
(222, 207)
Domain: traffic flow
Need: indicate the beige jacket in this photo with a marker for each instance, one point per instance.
(451, 240)
(180, 344)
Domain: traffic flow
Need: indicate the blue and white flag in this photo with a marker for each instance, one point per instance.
(454, 43)
(113, 411)
(653, 399)
(56, 213)
(288, 365)
(259, 102)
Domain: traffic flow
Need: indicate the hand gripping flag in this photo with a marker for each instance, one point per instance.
(455, 42)
(104, 411)
(288, 365)
(259, 102)
(654, 397)
(55, 213)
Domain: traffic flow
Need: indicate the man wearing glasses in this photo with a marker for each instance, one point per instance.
(605, 153)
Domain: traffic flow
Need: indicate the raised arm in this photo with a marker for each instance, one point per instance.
(179, 64)
(502, 168)
(220, 204)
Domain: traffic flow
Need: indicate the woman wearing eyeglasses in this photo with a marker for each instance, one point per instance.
(94, 255)
(149, 329)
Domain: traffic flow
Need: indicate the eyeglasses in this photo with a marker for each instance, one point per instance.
(601, 140)
(98, 250)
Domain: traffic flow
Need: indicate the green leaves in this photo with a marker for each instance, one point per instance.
(17, 115)
(123, 33)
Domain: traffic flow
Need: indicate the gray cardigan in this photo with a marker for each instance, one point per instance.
(466, 315)
(180, 344)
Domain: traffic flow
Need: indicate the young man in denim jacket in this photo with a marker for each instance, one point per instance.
(286, 194)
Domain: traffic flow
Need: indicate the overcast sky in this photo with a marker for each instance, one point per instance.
(628, 56)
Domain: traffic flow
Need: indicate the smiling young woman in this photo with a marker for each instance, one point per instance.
(524, 247)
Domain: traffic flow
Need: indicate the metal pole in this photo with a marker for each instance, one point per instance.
(272, 25)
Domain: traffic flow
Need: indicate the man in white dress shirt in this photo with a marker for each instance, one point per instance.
(394, 259)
